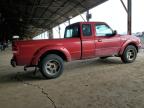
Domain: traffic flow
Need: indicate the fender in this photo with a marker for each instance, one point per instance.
(126, 44)
(45, 49)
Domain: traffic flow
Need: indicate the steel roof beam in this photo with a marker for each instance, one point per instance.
(47, 9)
(67, 12)
(32, 10)
(66, 1)
(124, 6)
(36, 7)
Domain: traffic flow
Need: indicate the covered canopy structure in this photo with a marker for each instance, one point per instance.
(30, 17)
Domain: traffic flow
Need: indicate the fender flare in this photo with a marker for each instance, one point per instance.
(45, 49)
(128, 42)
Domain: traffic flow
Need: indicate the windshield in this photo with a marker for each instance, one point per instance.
(72, 31)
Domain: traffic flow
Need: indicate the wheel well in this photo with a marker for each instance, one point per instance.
(59, 53)
(133, 45)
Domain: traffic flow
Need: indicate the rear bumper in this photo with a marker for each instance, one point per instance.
(13, 62)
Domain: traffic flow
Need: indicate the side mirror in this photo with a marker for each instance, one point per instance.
(114, 32)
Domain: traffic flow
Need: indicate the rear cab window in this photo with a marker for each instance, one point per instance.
(72, 31)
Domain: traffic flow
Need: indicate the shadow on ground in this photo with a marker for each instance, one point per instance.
(94, 62)
(20, 75)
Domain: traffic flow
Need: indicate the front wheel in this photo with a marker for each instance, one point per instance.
(51, 66)
(129, 55)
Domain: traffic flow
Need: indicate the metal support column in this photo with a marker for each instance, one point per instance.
(88, 16)
(50, 32)
(69, 18)
(59, 31)
(69, 21)
(129, 17)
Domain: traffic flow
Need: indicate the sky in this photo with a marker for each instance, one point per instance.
(113, 13)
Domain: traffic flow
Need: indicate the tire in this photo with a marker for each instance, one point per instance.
(129, 55)
(51, 66)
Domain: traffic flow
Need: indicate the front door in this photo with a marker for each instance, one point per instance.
(106, 43)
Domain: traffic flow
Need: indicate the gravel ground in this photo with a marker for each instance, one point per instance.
(84, 84)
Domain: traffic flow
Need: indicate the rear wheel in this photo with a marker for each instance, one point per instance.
(51, 66)
(129, 55)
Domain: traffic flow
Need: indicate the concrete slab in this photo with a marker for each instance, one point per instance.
(85, 84)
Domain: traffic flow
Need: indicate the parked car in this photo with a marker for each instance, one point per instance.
(82, 40)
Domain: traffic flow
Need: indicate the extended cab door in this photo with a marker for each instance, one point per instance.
(107, 44)
(88, 42)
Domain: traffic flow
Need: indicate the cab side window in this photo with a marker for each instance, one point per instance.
(86, 29)
(103, 30)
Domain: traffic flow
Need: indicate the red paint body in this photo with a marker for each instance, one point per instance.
(28, 53)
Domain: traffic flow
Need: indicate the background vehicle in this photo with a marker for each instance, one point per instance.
(82, 40)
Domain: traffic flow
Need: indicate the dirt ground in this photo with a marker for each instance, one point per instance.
(84, 84)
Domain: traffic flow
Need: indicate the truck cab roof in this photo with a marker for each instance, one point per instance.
(98, 22)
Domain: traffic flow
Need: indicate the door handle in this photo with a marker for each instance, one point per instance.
(99, 40)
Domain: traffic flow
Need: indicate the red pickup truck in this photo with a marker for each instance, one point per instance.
(82, 40)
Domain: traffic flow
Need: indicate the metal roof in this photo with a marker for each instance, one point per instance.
(29, 16)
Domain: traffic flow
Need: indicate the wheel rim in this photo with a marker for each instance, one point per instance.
(131, 54)
(52, 67)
